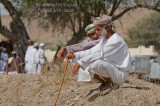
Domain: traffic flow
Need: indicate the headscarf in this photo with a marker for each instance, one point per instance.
(90, 29)
(103, 20)
(35, 45)
(29, 41)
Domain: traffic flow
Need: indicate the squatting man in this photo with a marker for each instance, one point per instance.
(107, 62)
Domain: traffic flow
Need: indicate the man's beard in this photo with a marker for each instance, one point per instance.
(103, 33)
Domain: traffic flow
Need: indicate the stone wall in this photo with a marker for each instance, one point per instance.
(142, 50)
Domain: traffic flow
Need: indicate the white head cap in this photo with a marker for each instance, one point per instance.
(35, 45)
(4, 49)
(42, 44)
(14, 52)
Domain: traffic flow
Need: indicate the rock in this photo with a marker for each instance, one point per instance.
(47, 98)
(75, 90)
(158, 100)
(68, 101)
(69, 90)
(72, 104)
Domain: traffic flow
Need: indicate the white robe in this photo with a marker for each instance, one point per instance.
(1, 63)
(33, 62)
(4, 60)
(40, 57)
(109, 58)
(30, 60)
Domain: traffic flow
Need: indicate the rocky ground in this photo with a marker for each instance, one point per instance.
(41, 90)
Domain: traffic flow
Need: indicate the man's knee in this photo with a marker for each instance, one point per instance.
(99, 64)
(96, 64)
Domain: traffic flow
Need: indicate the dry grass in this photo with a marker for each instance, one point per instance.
(57, 70)
(35, 90)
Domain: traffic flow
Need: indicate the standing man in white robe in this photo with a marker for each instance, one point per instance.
(33, 62)
(108, 62)
(4, 58)
(40, 58)
(28, 57)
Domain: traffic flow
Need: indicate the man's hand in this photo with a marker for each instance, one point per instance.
(70, 56)
(60, 53)
(75, 69)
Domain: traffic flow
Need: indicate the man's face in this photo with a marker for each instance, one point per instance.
(29, 43)
(93, 36)
(42, 47)
(101, 31)
(14, 55)
(98, 30)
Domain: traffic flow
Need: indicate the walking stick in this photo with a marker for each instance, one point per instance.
(61, 83)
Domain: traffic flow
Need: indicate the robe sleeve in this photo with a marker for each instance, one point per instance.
(86, 44)
(28, 53)
(103, 50)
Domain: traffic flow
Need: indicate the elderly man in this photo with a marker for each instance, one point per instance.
(108, 62)
(91, 41)
(33, 59)
(28, 58)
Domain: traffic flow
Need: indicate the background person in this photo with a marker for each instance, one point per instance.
(4, 58)
(28, 57)
(14, 64)
(40, 58)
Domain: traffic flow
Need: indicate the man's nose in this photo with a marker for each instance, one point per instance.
(97, 32)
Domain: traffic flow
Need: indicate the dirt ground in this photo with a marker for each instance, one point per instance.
(41, 90)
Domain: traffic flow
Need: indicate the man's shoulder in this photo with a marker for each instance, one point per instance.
(116, 38)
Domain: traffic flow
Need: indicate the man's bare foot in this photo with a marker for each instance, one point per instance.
(106, 89)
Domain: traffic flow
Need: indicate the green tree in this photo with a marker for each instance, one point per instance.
(146, 32)
(78, 19)
(84, 10)
(17, 32)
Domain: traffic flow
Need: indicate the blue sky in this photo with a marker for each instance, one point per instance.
(3, 10)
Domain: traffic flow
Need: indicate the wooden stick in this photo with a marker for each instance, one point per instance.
(61, 84)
